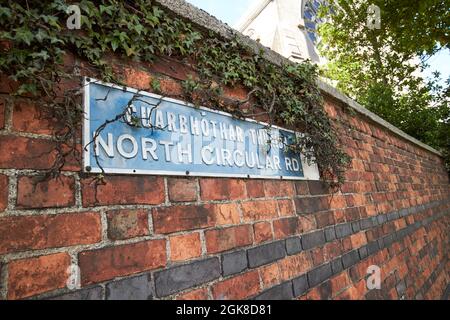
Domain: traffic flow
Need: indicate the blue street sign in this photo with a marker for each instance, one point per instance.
(156, 135)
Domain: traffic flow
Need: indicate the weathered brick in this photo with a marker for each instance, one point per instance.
(330, 234)
(135, 288)
(180, 218)
(280, 292)
(324, 219)
(125, 224)
(36, 192)
(239, 287)
(301, 188)
(28, 118)
(108, 263)
(182, 189)
(266, 253)
(276, 188)
(313, 239)
(32, 276)
(300, 285)
(178, 278)
(343, 230)
(350, 258)
(286, 227)
(170, 87)
(3, 192)
(93, 293)
(123, 190)
(219, 240)
(255, 188)
(234, 262)
(259, 210)
(317, 187)
(26, 153)
(222, 189)
(19, 233)
(293, 245)
(294, 265)
(270, 275)
(336, 265)
(319, 274)
(136, 78)
(286, 207)
(262, 231)
(186, 246)
(311, 204)
(226, 213)
(197, 294)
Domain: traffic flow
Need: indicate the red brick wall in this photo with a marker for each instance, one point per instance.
(214, 238)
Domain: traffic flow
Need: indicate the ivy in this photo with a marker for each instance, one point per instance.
(35, 41)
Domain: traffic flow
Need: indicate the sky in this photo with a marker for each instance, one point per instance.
(229, 11)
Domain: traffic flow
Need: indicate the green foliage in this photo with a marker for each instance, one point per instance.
(380, 67)
(39, 40)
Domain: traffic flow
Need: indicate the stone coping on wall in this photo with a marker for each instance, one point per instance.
(207, 21)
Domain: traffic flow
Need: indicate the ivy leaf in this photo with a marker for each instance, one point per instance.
(24, 35)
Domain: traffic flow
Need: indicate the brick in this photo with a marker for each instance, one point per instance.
(313, 239)
(339, 282)
(275, 188)
(234, 262)
(262, 231)
(28, 118)
(301, 188)
(198, 294)
(285, 227)
(310, 205)
(125, 224)
(135, 288)
(259, 210)
(286, 207)
(108, 263)
(300, 285)
(93, 293)
(317, 187)
(336, 265)
(319, 274)
(307, 222)
(350, 258)
(178, 278)
(222, 189)
(255, 188)
(19, 233)
(32, 276)
(123, 190)
(239, 287)
(280, 292)
(343, 230)
(3, 192)
(26, 153)
(135, 78)
(170, 87)
(266, 253)
(270, 275)
(185, 247)
(36, 192)
(182, 189)
(226, 213)
(330, 234)
(181, 218)
(324, 219)
(219, 240)
(358, 240)
(294, 265)
(293, 245)
(172, 68)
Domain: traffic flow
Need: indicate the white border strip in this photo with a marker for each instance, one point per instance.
(310, 172)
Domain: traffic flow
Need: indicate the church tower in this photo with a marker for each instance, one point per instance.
(285, 26)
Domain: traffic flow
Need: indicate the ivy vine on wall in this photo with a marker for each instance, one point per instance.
(34, 40)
